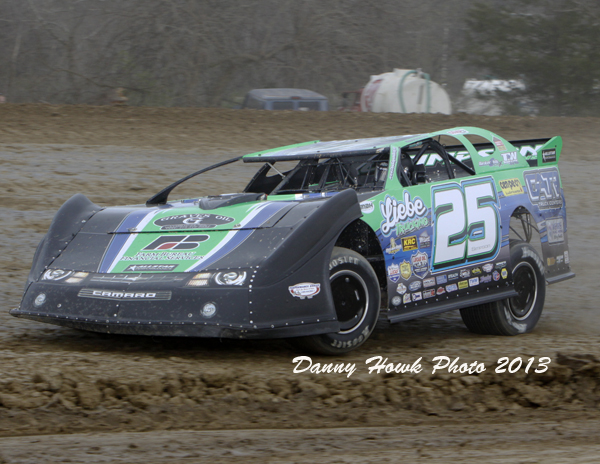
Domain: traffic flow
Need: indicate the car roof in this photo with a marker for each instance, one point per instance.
(356, 147)
(334, 149)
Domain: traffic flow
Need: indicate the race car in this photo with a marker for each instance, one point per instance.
(327, 240)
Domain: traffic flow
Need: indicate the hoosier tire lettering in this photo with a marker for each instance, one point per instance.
(354, 342)
(342, 260)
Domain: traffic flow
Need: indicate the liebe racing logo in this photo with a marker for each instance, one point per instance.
(395, 211)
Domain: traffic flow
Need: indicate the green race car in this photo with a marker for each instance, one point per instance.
(325, 240)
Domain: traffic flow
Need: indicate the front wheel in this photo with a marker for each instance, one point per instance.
(521, 313)
(356, 296)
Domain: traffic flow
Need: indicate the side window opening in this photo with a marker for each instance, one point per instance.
(434, 161)
(363, 173)
(481, 144)
(268, 177)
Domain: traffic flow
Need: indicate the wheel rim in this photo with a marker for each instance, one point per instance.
(351, 299)
(526, 286)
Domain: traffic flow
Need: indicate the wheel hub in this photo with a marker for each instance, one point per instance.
(351, 299)
(526, 286)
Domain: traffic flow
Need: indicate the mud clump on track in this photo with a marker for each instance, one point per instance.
(56, 380)
(69, 400)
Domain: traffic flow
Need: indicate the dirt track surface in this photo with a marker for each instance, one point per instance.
(212, 401)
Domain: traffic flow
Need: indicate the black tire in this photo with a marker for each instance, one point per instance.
(356, 296)
(516, 315)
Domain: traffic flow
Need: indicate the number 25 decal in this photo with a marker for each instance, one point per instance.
(466, 223)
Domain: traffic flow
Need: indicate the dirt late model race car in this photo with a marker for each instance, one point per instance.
(327, 239)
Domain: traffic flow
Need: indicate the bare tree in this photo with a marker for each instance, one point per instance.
(209, 52)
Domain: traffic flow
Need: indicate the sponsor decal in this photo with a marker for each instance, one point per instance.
(230, 278)
(487, 267)
(461, 155)
(414, 286)
(457, 132)
(138, 277)
(424, 240)
(441, 279)
(433, 159)
(500, 265)
(473, 281)
(417, 296)
(476, 271)
(530, 152)
(451, 288)
(367, 207)
(409, 243)
(543, 188)
(551, 260)
(486, 279)
(405, 270)
(464, 273)
(393, 248)
(453, 276)
(192, 221)
(176, 242)
(429, 293)
(549, 155)
(429, 282)
(420, 264)
(123, 295)
(496, 276)
(401, 289)
(164, 256)
(56, 274)
(510, 157)
(504, 273)
(463, 284)
(393, 271)
(121, 243)
(395, 212)
(305, 290)
(441, 290)
(406, 298)
(491, 162)
(567, 257)
(555, 229)
(396, 301)
(560, 259)
(511, 187)
(150, 267)
(407, 227)
(499, 143)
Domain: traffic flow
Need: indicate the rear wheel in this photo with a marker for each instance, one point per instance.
(521, 313)
(356, 296)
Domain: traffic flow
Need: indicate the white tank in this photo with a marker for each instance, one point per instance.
(404, 91)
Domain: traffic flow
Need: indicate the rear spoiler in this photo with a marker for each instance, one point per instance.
(537, 152)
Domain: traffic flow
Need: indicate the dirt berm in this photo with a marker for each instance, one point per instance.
(60, 381)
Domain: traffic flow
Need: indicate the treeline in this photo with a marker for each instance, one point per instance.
(211, 52)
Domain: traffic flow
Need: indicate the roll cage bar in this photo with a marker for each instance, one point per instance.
(411, 173)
